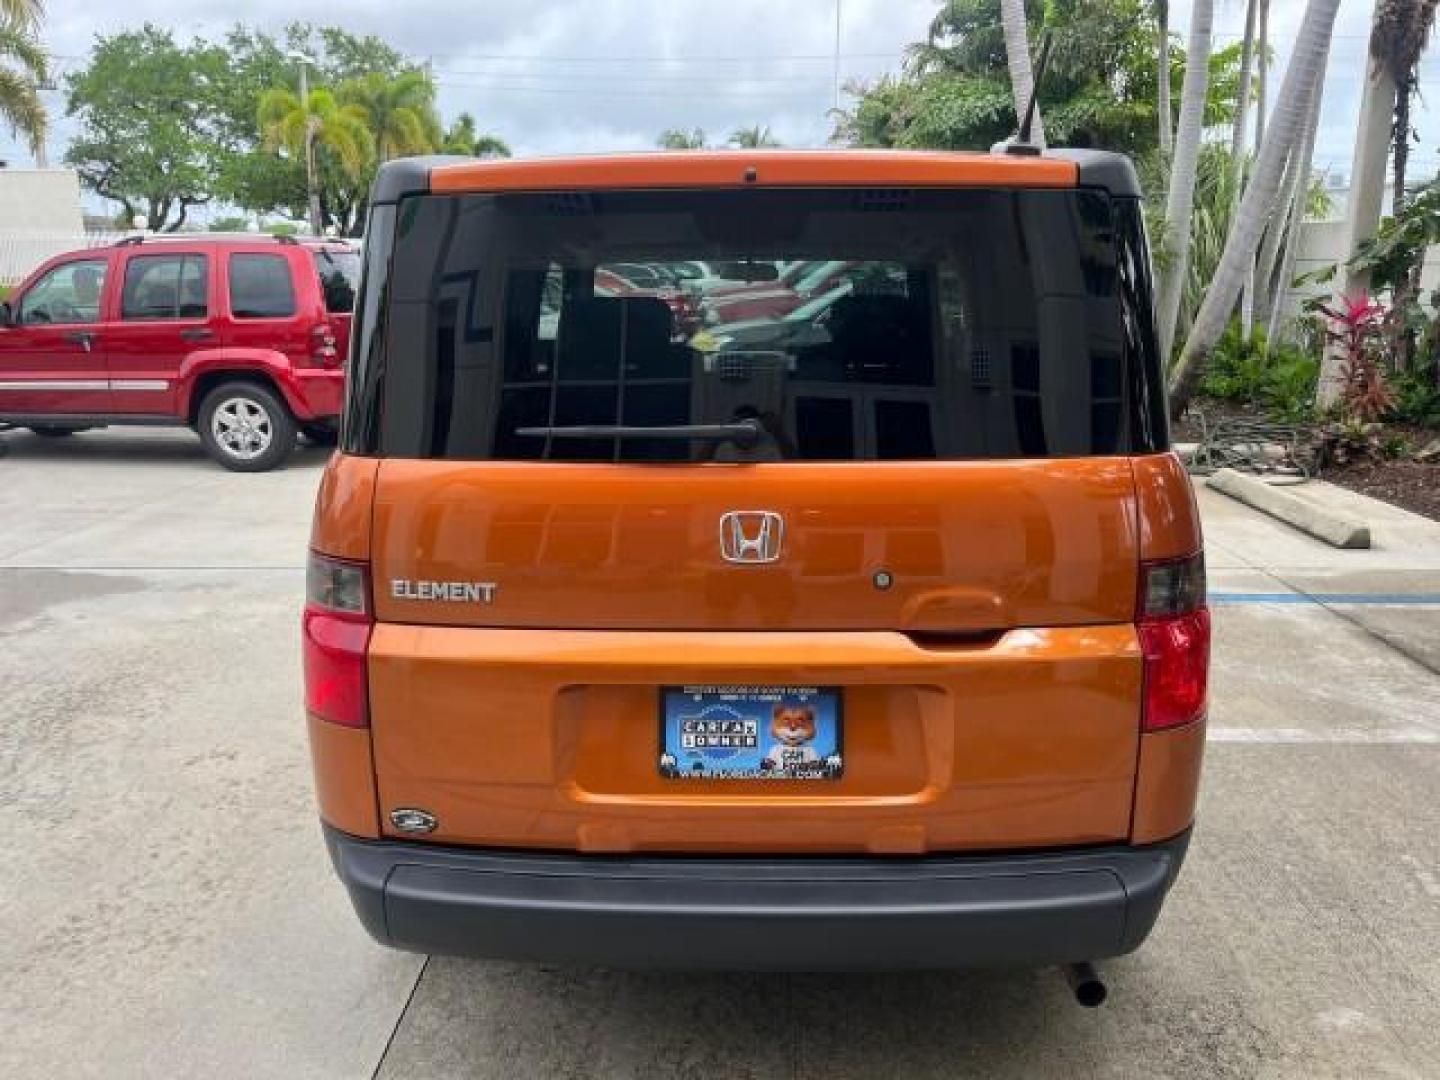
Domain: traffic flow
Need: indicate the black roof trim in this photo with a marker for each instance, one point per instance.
(408, 176)
(1103, 169)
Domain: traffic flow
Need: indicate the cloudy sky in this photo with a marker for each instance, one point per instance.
(581, 75)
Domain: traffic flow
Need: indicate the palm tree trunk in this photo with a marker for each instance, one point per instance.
(1163, 109)
(1401, 141)
(1180, 199)
(1242, 103)
(1292, 106)
(1299, 200)
(1274, 235)
(1363, 205)
(1017, 57)
(1262, 73)
(1247, 291)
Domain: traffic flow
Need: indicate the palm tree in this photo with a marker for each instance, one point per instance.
(1242, 97)
(1292, 108)
(753, 138)
(20, 104)
(678, 139)
(1262, 72)
(343, 130)
(463, 137)
(1017, 58)
(1299, 198)
(1366, 199)
(400, 111)
(1402, 29)
(1180, 198)
(1163, 109)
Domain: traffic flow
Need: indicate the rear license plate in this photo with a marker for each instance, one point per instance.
(750, 733)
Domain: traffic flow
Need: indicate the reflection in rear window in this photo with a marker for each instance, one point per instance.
(339, 278)
(848, 325)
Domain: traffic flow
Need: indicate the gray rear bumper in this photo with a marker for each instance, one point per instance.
(792, 914)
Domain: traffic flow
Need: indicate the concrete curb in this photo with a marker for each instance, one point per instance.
(1337, 530)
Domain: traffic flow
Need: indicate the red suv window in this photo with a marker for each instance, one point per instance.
(165, 287)
(260, 287)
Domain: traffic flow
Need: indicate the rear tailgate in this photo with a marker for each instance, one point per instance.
(990, 691)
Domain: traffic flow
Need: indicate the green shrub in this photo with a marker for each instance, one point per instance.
(1281, 379)
(1290, 384)
(1236, 369)
(1417, 398)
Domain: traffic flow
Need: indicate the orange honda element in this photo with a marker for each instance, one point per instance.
(866, 632)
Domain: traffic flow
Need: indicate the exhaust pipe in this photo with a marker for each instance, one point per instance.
(1085, 983)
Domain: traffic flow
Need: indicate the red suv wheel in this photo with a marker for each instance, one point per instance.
(246, 427)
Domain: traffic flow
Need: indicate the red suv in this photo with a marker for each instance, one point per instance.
(242, 338)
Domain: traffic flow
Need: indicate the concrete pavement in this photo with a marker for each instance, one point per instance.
(167, 907)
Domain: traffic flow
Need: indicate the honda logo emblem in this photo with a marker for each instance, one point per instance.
(751, 536)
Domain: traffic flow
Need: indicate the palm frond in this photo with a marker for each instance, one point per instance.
(22, 109)
(26, 14)
(490, 146)
(20, 45)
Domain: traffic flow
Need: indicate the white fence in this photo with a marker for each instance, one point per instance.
(22, 252)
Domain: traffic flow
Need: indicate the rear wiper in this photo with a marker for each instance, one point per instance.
(744, 433)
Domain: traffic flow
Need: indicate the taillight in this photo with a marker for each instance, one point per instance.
(335, 631)
(1174, 627)
(322, 346)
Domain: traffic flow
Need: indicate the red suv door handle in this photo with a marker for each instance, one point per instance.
(83, 338)
(199, 333)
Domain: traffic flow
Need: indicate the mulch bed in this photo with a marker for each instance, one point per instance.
(1409, 485)
(1401, 482)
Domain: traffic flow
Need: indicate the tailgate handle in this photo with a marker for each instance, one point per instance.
(955, 639)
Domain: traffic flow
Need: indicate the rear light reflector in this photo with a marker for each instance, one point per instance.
(1173, 624)
(335, 634)
(322, 346)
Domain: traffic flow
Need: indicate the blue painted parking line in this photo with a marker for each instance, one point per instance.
(1415, 599)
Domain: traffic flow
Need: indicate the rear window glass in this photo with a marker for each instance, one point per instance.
(844, 325)
(260, 287)
(339, 278)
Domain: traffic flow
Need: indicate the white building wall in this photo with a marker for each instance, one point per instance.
(1322, 244)
(39, 201)
(40, 216)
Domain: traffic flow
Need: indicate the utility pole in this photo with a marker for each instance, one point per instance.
(835, 74)
(303, 61)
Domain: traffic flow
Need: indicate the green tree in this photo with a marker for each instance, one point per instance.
(250, 63)
(751, 138)
(1099, 90)
(677, 139)
(399, 110)
(146, 139)
(463, 137)
(22, 70)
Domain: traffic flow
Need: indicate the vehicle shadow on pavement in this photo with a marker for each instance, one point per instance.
(129, 446)
(474, 1019)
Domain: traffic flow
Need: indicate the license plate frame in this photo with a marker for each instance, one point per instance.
(729, 733)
